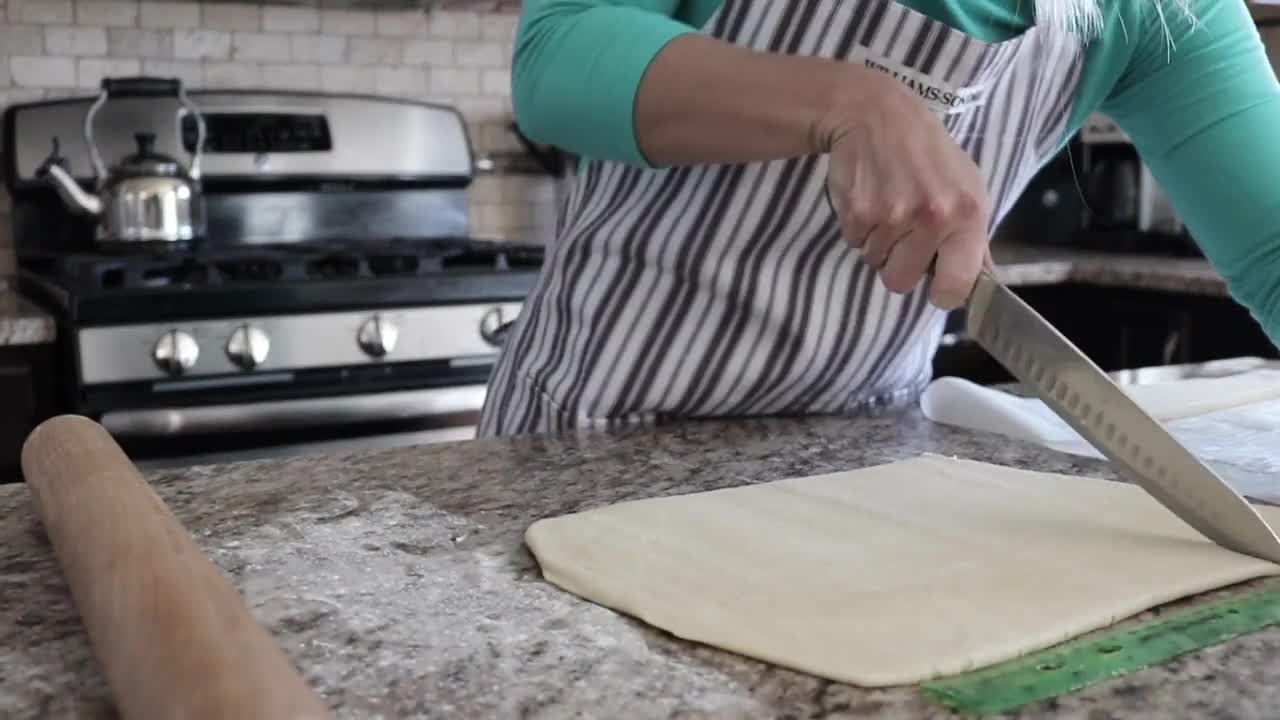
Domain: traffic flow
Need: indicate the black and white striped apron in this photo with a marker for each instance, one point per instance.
(727, 290)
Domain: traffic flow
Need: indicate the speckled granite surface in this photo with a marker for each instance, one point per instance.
(399, 582)
(22, 323)
(1027, 265)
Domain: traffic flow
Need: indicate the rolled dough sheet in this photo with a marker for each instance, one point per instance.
(889, 575)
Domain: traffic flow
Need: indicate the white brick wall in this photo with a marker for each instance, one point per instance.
(21, 39)
(48, 72)
(107, 13)
(232, 17)
(75, 41)
(347, 22)
(168, 14)
(375, 51)
(139, 42)
(41, 11)
(400, 22)
(201, 44)
(318, 48)
(90, 71)
(176, 14)
(291, 19)
(232, 74)
(61, 48)
(291, 76)
(260, 46)
(449, 82)
(438, 53)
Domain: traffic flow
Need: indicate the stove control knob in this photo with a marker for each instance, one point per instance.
(378, 336)
(248, 347)
(176, 352)
(494, 327)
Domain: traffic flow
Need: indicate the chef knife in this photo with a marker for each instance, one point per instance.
(1095, 406)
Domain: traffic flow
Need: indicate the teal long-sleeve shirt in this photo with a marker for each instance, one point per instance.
(1194, 91)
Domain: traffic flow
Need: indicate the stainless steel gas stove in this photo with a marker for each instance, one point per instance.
(334, 299)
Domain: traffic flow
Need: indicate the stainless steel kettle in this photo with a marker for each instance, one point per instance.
(147, 197)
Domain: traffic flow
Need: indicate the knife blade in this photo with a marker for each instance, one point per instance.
(1090, 402)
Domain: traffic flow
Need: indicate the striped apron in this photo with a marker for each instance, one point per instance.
(727, 290)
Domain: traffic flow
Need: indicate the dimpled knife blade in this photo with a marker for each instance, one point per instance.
(1091, 403)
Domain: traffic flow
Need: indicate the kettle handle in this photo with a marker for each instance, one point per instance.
(142, 87)
(137, 87)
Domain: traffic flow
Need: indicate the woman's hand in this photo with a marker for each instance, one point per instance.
(905, 192)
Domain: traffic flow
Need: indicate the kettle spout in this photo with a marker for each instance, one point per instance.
(71, 192)
(68, 189)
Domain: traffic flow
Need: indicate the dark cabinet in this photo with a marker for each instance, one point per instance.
(1121, 328)
(27, 390)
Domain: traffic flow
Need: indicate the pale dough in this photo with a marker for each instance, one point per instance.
(1200, 396)
(889, 575)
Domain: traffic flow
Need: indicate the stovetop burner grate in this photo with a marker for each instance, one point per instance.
(258, 265)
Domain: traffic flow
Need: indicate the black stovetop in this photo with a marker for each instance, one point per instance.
(170, 283)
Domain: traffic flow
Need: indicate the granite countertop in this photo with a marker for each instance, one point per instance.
(398, 581)
(21, 322)
(1034, 265)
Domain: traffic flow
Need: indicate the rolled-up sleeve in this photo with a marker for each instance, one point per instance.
(577, 67)
(1201, 102)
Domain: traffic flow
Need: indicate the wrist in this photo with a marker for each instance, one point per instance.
(850, 93)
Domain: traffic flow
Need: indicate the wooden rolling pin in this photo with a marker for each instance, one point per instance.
(171, 634)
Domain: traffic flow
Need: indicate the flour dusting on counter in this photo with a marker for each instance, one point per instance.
(403, 571)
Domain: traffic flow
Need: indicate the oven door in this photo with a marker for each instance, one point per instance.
(178, 435)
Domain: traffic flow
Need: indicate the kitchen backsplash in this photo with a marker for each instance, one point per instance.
(57, 48)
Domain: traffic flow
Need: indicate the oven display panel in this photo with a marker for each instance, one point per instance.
(259, 133)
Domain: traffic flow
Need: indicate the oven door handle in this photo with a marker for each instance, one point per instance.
(299, 413)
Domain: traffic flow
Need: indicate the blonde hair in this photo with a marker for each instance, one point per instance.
(1085, 17)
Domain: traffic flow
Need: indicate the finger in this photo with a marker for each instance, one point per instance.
(854, 232)
(881, 241)
(908, 262)
(862, 239)
(852, 227)
(960, 259)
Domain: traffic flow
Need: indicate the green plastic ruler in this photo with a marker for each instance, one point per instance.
(1077, 664)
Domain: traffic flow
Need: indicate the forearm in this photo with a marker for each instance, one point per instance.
(1206, 119)
(1223, 181)
(625, 81)
(703, 100)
